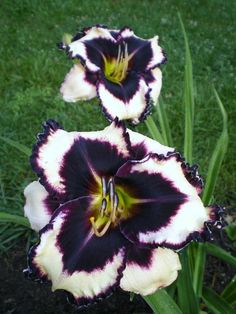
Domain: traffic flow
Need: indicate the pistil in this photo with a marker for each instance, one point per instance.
(109, 211)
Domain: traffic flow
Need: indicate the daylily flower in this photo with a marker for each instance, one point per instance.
(117, 66)
(111, 207)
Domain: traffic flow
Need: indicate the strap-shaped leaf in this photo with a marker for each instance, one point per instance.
(187, 299)
(164, 124)
(153, 130)
(229, 293)
(16, 219)
(188, 98)
(220, 253)
(20, 147)
(161, 303)
(217, 156)
(216, 303)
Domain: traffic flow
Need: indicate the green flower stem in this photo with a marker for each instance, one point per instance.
(161, 303)
(16, 219)
(153, 130)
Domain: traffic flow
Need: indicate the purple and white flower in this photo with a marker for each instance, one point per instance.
(117, 66)
(112, 206)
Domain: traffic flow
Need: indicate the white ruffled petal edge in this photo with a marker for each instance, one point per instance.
(156, 84)
(131, 109)
(150, 145)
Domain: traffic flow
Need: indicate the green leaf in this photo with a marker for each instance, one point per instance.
(220, 253)
(16, 219)
(231, 231)
(199, 268)
(217, 156)
(187, 299)
(162, 303)
(18, 146)
(188, 98)
(153, 130)
(131, 296)
(164, 124)
(229, 293)
(13, 237)
(216, 303)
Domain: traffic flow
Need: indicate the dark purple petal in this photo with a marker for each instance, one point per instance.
(142, 53)
(93, 47)
(86, 158)
(147, 54)
(163, 199)
(70, 164)
(74, 259)
(99, 48)
(128, 101)
(143, 146)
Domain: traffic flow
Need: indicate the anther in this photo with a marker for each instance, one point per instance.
(104, 187)
(114, 207)
(111, 191)
(125, 61)
(103, 207)
(116, 200)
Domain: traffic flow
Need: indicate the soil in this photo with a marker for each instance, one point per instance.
(19, 295)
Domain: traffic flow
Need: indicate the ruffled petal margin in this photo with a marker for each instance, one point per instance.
(143, 146)
(146, 54)
(129, 100)
(58, 155)
(74, 259)
(153, 79)
(39, 205)
(148, 270)
(79, 84)
(91, 48)
(164, 195)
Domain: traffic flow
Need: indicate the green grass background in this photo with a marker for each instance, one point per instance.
(32, 69)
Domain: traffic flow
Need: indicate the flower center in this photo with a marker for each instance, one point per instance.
(112, 208)
(116, 70)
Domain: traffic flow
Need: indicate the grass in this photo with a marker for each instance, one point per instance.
(32, 69)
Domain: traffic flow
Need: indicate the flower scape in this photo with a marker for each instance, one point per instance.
(112, 207)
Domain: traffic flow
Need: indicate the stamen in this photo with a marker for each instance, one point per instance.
(114, 209)
(103, 207)
(125, 61)
(95, 228)
(111, 189)
(116, 70)
(116, 200)
(108, 212)
(104, 187)
(119, 56)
